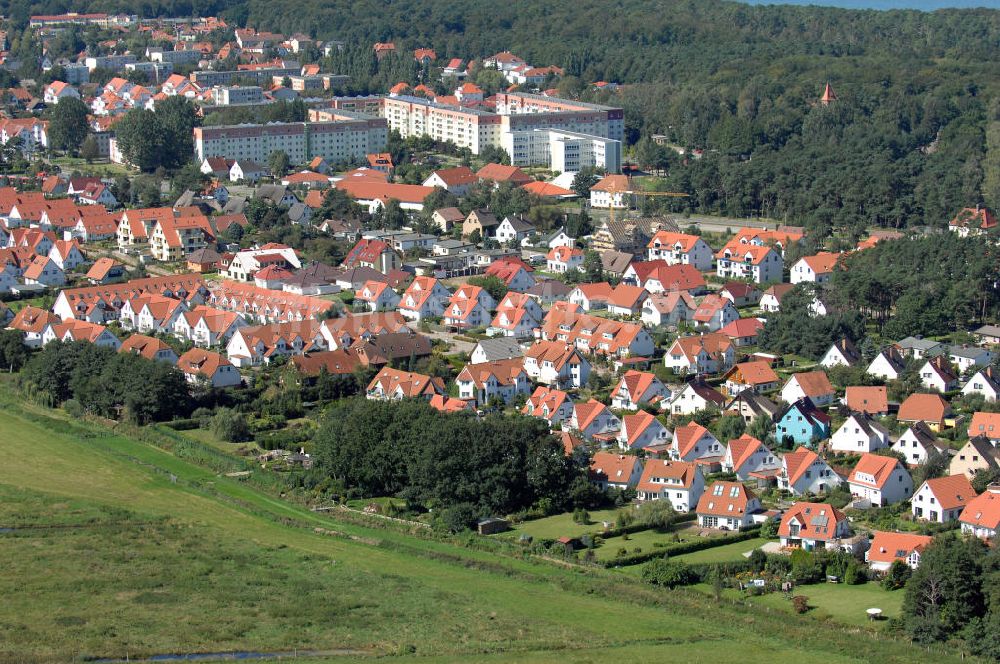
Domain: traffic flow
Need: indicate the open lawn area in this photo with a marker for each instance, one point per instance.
(99, 168)
(725, 553)
(157, 555)
(835, 601)
(562, 525)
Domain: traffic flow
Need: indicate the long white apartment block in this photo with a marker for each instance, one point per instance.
(340, 140)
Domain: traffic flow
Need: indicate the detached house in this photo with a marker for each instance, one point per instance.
(887, 365)
(812, 526)
(199, 364)
(817, 269)
(871, 400)
(45, 272)
(942, 499)
(693, 442)
(500, 379)
(917, 444)
(702, 354)
(882, 480)
(841, 353)
(937, 374)
(931, 409)
(636, 387)
(695, 396)
(552, 405)
(748, 458)
(803, 472)
(615, 471)
(668, 308)
(425, 298)
(66, 254)
(757, 376)
(593, 418)
(728, 506)
(680, 249)
(985, 382)
(977, 454)
(859, 434)
(557, 364)
(812, 384)
(886, 548)
(981, 517)
(679, 482)
(640, 430)
(715, 312)
(759, 264)
(986, 425)
(802, 423)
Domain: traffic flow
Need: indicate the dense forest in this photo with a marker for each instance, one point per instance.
(913, 136)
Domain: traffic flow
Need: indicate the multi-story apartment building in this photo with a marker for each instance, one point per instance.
(207, 78)
(230, 95)
(347, 138)
(562, 150)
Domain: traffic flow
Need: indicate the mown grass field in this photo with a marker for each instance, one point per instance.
(147, 563)
(724, 553)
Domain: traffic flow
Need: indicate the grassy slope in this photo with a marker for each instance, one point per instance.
(444, 601)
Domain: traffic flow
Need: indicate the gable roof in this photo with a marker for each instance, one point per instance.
(985, 424)
(872, 400)
(923, 407)
(983, 510)
(689, 435)
(813, 383)
(727, 499)
(879, 467)
(798, 462)
(951, 491)
(741, 449)
(681, 471)
(887, 547)
(815, 520)
(609, 467)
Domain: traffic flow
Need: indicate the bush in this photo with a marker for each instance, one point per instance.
(805, 568)
(800, 603)
(769, 529)
(459, 517)
(758, 560)
(855, 574)
(73, 408)
(657, 514)
(667, 573)
(897, 576)
(230, 425)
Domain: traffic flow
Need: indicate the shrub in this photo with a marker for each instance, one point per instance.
(897, 576)
(800, 603)
(459, 517)
(73, 408)
(230, 425)
(667, 573)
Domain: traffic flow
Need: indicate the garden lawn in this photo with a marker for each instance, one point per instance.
(562, 525)
(725, 553)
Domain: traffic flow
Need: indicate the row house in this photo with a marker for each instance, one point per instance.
(135, 227)
(66, 254)
(206, 326)
(32, 322)
(100, 303)
(377, 296)
(245, 264)
(425, 297)
(469, 307)
(152, 313)
(266, 305)
(150, 348)
(79, 330)
(259, 344)
(200, 365)
(517, 316)
(343, 332)
(173, 238)
(592, 334)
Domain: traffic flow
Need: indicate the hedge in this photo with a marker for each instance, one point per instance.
(183, 425)
(681, 549)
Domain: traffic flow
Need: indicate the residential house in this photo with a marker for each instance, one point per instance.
(514, 229)
(377, 296)
(615, 471)
(743, 331)
(66, 254)
(770, 301)
(871, 400)
(919, 348)
(466, 308)
(937, 374)
(841, 353)
(973, 221)
(942, 499)
(72, 329)
(425, 297)
(985, 382)
(592, 418)
(817, 269)
(517, 316)
(658, 277)
(556, 363)
(696, 396)
(749, 405)
(199, 364)
(679, 482)
(638, 387)
(759, 264)
(693, 442)
(812, 384)
(612, 191)
(260, 344)
(887, 365)
(918, 444)
(812, 526)
(564, 259)
(374, 254)
(45, 272)
(482, 222)
(669, 308)
(756, 375)
(552, 405)
(680, 248)
(701, 354)
(447, 218)
(640, 430)
(392, 385)
(105, 270)
(32, 323)
(514, 275)
(931, 409)
(457, 180)
(977, 454)
(715, 312)
(207, 326)
(749, 458)
(802, 423)
(728, 506)
(499, 348)
(499, 379)
(741, 293)
(148, 347)
(886, 548)
(965, 357)
(981, 516)
(626, 300)
(859, 434)
(986, 425)
(805, 472)
(883, 480)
